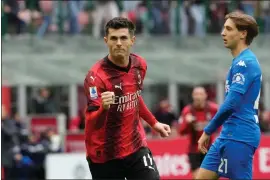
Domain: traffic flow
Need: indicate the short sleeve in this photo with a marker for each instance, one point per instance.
(242, 76)
(93, 87)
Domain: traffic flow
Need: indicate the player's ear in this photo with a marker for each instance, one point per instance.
(243, 34)
(105, 39)
(133, 38)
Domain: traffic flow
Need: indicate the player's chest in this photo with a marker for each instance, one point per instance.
(201, 119)
(202, 116)
(124, 82)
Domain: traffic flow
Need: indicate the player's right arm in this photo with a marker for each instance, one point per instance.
(98, 100)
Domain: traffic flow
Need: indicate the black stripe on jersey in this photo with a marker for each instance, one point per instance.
(114, 120)
(92, 108)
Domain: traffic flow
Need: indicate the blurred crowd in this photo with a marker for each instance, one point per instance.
(185, 17)
(22, 151)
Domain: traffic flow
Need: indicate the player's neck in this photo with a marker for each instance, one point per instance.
(199, 106)
(236, 51)
(122, 62)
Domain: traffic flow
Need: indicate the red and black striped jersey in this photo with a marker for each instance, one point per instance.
(193, 121)
(118, 132)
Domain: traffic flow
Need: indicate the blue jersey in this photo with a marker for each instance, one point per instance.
(244, 77)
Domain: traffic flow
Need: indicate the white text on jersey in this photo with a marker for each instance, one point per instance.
(127, 102)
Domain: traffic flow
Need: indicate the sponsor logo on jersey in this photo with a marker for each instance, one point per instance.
(127, 101)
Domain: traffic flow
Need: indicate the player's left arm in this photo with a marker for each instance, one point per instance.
(144, 112)
(163, 129)
(243, 76)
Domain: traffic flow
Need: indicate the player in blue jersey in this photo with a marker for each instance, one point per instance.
(231, 155)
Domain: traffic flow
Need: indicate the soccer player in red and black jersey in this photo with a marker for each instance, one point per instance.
(114, 136)
(193, 119)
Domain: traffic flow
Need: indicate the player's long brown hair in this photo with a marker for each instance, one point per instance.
(244, 22)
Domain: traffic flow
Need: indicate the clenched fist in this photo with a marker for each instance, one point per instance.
(107, 99)
(163, 129)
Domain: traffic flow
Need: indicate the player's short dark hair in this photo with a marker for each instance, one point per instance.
(244, 22)
(119, 23)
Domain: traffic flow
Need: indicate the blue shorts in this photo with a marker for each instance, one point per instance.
(230, 159)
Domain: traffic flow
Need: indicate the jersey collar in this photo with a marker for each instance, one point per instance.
(241, 53)
(119, 68)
